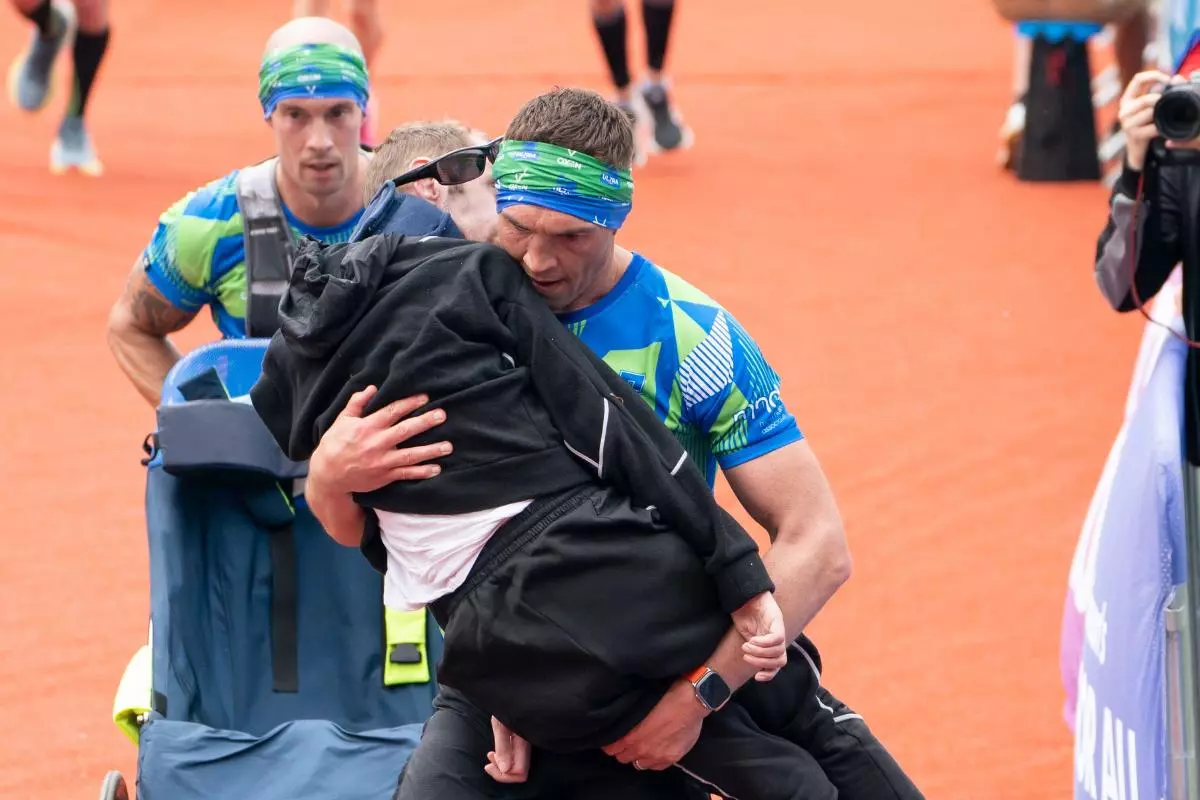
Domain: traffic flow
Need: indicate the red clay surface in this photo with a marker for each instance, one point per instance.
(936, 324)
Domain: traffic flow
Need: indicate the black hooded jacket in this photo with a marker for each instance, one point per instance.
(1148, 233)
(530, 410)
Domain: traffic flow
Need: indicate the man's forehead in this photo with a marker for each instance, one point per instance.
(314, 104)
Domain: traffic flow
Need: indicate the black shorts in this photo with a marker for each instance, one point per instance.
(576, 618)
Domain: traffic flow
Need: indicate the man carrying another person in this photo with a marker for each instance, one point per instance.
(540, 526)
(709, 383)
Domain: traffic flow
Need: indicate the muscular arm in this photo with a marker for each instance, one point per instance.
(138, 326)
(786, 492)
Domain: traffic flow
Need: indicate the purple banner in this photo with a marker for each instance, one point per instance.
(1129, 559)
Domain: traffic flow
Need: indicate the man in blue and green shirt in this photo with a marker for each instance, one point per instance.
(313, 88)
(562, 191)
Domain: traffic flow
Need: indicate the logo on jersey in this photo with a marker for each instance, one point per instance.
(634, 379)
(762, 406)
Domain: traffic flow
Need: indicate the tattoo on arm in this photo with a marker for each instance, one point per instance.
(149, 310)
(138, 326)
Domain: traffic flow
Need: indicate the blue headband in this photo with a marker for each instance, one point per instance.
(553, 177)
(312, 71)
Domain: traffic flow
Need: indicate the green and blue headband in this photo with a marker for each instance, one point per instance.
(312, 71)
(553, 177)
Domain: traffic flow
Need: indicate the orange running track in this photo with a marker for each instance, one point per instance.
(936, 325)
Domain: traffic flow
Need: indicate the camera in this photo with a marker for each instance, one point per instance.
(1177, 113)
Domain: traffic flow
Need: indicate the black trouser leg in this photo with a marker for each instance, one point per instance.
(448, 765)
(734, 757)
(796, 707)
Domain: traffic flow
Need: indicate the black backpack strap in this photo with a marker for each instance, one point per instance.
(270, 247)
(272, 509)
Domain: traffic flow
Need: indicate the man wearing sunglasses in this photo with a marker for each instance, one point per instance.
(444, 163)
(563, 189)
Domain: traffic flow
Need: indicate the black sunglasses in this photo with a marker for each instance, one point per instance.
(458, 166)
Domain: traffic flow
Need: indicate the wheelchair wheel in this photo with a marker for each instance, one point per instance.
(114, 787)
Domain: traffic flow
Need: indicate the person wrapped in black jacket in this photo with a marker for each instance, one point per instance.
(622, 574)
(531, 411)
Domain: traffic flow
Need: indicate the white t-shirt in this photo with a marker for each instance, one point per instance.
(430, 555)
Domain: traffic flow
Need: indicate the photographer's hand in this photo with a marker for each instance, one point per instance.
(1136, 113)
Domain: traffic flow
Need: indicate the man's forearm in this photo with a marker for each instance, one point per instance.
(138, 326)
(342, 518)
(807, 572)
(145, 359)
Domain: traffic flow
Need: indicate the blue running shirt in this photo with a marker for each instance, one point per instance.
(692, 362)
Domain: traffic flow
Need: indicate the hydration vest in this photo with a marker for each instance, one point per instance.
(270, 246)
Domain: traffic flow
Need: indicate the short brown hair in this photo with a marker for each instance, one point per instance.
(421, 139)
(578, 119)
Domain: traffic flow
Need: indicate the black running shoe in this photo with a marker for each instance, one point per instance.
(669, 132)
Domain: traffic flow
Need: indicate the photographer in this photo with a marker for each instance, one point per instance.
(1169, 210)
(1154, 219)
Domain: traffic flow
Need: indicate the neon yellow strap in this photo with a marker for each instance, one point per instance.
(405, 628)
(133, 694)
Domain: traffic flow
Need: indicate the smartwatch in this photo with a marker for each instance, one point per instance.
(711, 689)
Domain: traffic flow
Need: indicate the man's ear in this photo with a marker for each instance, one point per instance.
(426, 188)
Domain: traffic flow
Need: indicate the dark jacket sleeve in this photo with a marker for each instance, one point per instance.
(273, 399)
(1156, 240)
(610, 427)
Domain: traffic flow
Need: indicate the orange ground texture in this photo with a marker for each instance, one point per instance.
(935, 322)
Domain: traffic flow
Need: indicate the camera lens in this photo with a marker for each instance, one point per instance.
(1177, 113)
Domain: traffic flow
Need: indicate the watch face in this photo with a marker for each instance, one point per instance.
(713, 691)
